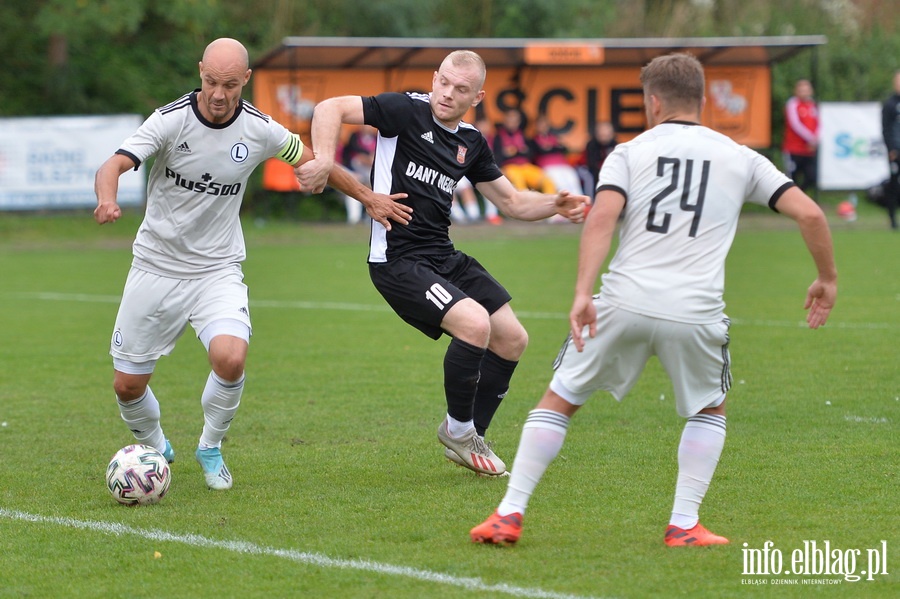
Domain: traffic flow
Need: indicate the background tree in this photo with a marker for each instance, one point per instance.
(116, 56)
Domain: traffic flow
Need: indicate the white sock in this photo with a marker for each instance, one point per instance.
(472, 211)
(354, 210)
(220, 401)
(698, 455)
(458, 428)
(456, 212)
(142, 417)
(542, 438)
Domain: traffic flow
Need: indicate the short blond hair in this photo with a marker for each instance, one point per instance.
(465, 58)
(676, 79)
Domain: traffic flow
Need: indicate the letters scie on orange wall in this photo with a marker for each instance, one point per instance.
(738, 99)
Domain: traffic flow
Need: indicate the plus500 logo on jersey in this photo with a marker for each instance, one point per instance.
(207, 186)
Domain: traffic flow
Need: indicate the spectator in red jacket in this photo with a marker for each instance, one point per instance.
(801, 136)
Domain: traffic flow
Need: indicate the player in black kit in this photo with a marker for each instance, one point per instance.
(423, 150)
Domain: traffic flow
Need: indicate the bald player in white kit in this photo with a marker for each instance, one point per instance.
(190, 246)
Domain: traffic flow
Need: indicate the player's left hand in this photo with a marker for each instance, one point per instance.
(572, 206)
(313, 174)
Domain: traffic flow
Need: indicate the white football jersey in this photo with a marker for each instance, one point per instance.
(192, 225)
(684, 186)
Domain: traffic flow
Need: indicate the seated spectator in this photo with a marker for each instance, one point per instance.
(357, 155)
(602, 143)
(553, 157)
(514, 155)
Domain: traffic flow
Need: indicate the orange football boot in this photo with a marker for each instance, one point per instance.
(498, 530)
(696, 537)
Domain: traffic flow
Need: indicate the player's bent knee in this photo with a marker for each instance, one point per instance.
(509, 342)
(557, 403)
(229, 368)
(128, 387)
(469, 321)
(474, 335)
(509, 348)
(521, 341)
(716, 407)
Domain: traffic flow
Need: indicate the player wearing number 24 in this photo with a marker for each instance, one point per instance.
(684, 186)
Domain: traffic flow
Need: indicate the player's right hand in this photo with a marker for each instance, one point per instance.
(583, 314)
(385, 208)
(107, 212)
(820, 300)
(572, 206)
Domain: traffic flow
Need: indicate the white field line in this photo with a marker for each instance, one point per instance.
(294, 555)
(304, 305)
(867, 419)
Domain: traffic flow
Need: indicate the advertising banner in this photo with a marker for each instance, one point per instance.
(49, 162)
(852, 154)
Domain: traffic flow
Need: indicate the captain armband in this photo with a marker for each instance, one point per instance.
(292, 150)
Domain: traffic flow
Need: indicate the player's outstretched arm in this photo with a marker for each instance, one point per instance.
(572, 206)
(533, 205)
(382, 208)
(325, 130)
(822, 294)
(106, 188)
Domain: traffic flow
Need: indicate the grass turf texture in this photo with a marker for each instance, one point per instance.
(334, 451)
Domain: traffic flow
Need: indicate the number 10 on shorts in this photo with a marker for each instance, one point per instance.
(439, 296)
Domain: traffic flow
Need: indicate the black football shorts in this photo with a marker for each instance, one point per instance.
(422, 288)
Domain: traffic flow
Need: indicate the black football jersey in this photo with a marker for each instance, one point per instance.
(418, 156)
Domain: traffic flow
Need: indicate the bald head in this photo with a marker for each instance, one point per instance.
(224, 71)
(226, 51)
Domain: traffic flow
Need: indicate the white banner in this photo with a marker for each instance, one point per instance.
(49, 162)
(852, 154)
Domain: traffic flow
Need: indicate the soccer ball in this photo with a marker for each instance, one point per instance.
(138, 475)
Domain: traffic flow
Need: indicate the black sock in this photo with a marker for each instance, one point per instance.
(461, 367)
(496, 373)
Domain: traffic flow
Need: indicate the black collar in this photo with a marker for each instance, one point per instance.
(677, 122)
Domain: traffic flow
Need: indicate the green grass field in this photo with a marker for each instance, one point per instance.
(341, 488)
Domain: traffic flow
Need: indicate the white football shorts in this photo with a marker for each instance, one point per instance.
(695, 356)
(155, 310)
